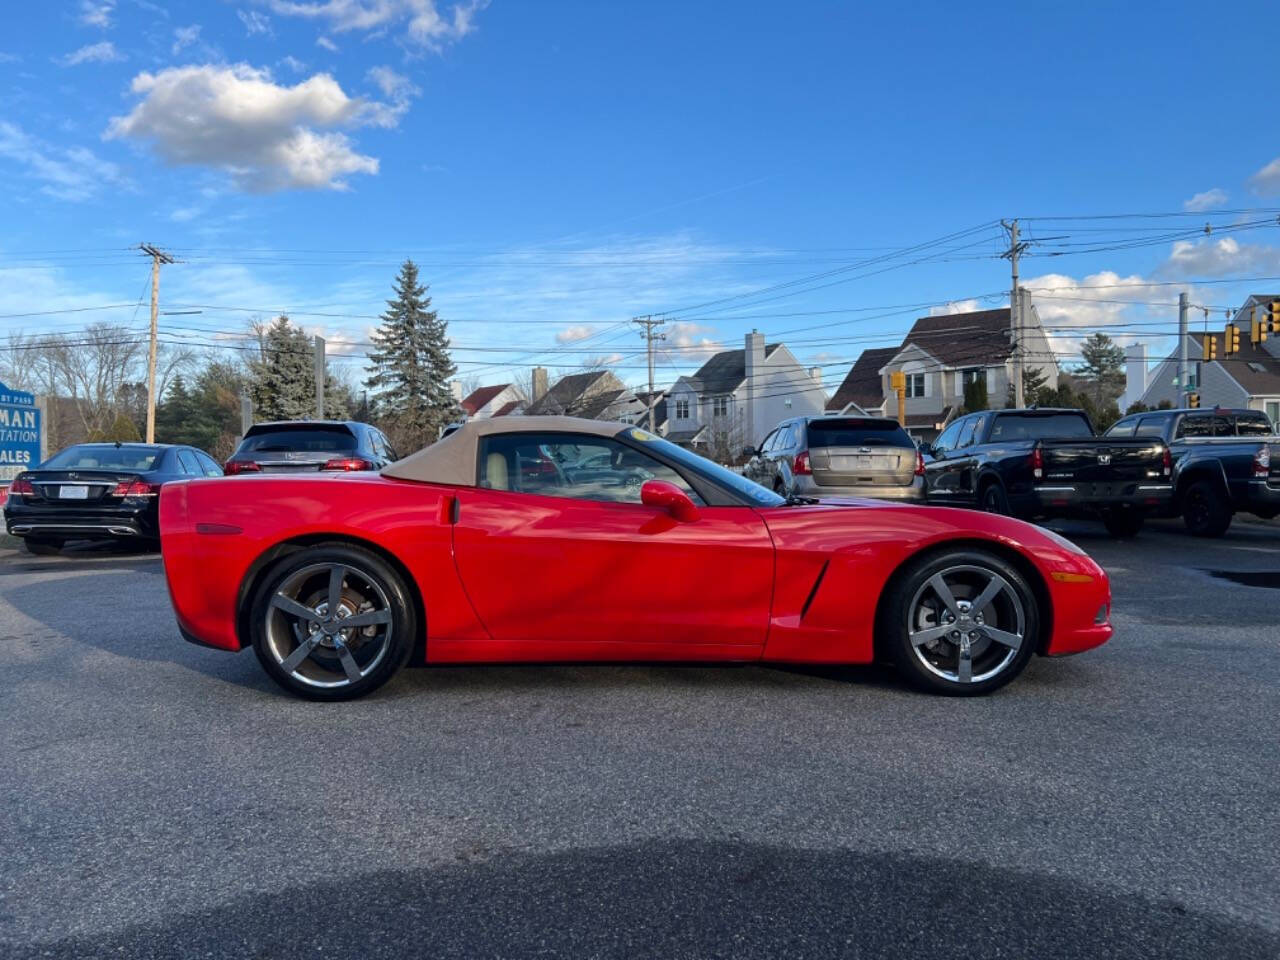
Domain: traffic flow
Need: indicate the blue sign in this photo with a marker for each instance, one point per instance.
(19, 433)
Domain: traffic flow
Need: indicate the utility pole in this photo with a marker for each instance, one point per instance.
(319, 378)
(1183, 388)
(158, 257)
(1015, 310)
(649, 322)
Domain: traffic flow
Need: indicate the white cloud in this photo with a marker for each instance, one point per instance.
(1209, 200)
(97, 13)
(1267, 180)
(394, 85)
(104, 52)
(1211, 258)
(254, 22)
(265, 135)
(1100, 301)
(955, 306)
(575, 333)
(9, 58)
(183, 214)
(327, 44)
(185, 37)
(421, 21)
(688, 340)
(66, 174)
(293, 64)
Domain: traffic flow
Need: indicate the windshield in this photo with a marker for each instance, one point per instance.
(93, 457)
(709, 469)
(857, 433)
(320, 440)
(1049, 426)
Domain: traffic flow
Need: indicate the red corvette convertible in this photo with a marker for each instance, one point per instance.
(558, 539)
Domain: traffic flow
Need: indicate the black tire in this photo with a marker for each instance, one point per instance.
(1205, 511)
(1123, 524)
(372, 579)
(43, 547)
(993, 499)
(1002, 662)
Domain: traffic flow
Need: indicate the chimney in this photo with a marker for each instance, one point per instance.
(539, 383)
(815, 374)
(455, 390)
(753, 370)
(1135, 375)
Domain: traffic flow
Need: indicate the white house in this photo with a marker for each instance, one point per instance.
(738, 396)
(497, 400)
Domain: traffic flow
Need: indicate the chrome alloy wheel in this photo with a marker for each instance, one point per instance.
(966, 623)
(328, 625)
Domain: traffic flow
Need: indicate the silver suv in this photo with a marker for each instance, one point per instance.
(839, 456)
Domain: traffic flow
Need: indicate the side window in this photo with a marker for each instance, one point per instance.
(1253, 424)
(766, 445)
(947, 441)
(966, 432)
(1124, 428)
(208, 465)
(1204, 425)
(378, 445)
(1150, 427)
(189, 463)
(570, 465)
(979, 428)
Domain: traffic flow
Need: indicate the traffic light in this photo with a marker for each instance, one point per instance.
(1232, 344)
(1272, 319)
(1193, 400)
(1210, 347)
(1258, 330)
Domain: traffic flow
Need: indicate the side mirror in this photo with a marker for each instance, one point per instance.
(748, 452)
(926, 449)
(660, 493)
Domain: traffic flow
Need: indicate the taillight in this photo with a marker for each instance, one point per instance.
(232, 467)
(348, 463)
(1037, 464)
(800, 467)
(137, 487)
(919, 463)
(1168, 462)
(21, 487)
(1262, 461)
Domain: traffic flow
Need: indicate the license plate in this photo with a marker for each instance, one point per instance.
(73, 493)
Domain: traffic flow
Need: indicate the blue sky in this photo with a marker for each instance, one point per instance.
(557, 168)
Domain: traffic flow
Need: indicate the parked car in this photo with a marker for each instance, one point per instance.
(1224, 462)
(1038, 463)
(302, 446)
(99, 491)
(839, 456)
(460, 554)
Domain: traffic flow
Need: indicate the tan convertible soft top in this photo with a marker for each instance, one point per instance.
(453, 459)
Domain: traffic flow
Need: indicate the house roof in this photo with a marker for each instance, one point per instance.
(725, 371)
(595, 406)
(979, 338)
(685, 436)
(477, 398)
(1256, 370)
(862, 385)
(928, 421)
(565, 394)
(507, 408)
(659, 412)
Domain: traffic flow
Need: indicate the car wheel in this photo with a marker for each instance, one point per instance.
(1122, 524)
(1204, 510)
(961, 623)
(332, 622)
(993, 499)
(42, 547)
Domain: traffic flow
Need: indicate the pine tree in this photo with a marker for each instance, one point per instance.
(411, 364)
(1103, 369)
(282, 375)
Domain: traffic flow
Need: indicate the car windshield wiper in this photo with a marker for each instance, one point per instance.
(796, 500)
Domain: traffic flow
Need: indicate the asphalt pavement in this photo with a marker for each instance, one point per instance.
(159, 799)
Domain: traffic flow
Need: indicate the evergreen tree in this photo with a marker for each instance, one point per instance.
(411, 364)
(1103, 369)
(282, 375)
(1034, 388)
(975, 395)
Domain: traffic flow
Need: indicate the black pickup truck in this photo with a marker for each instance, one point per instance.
(1038, 463)
(1224, 462)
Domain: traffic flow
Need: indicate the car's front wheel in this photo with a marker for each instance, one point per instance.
(961, 622)
(332, 622)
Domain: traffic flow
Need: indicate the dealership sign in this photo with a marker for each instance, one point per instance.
(19, 433)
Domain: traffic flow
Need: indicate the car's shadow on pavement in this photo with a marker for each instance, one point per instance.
(688, 898)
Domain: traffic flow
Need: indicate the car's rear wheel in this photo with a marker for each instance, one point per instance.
(993, 499)
(1122, 524)
(43, 546)
(332, 622)
(961, 622)
(1205, 512)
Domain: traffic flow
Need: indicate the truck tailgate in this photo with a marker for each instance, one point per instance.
(1103, 460)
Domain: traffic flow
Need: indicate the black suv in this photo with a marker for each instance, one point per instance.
(298, 446)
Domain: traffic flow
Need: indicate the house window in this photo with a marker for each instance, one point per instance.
(682, 409)
(915, 384)
(720, 406)
(1273, 413)
(972, 375)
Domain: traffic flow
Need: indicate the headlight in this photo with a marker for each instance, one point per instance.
(1063, 542)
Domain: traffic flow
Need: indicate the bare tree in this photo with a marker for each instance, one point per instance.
(94, 370)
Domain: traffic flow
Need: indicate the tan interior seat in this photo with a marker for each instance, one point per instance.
(495, 472)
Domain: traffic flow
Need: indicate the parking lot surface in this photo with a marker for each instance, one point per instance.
(159, 799)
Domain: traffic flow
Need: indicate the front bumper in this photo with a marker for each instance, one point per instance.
(1081, 603)
(912, 493)
(1066, 499)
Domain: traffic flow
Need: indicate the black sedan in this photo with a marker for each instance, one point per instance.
(99, 491)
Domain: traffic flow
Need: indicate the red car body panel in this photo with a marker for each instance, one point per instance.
(511, 576)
